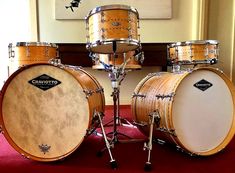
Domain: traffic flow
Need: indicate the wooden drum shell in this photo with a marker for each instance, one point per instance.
(167, 86)
(25, 53)
(53, 121)
(110, 23)
(108, 59)
(194, 52)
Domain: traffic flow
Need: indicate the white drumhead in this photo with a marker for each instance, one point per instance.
(47, 124)
(202, 119)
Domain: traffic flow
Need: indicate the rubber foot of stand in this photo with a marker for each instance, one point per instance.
(99, 154)
(113, 164)
(147, 167)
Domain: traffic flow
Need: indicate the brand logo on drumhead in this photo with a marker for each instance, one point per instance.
(203, 85)
(44, 82)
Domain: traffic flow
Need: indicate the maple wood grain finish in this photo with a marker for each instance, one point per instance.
(112, 23)
(108, 59)
(193, 51)
(25, 53)
(56, 119)
(203, 121)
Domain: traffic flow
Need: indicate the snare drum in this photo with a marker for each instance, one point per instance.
(112, 24)
(196, 109)
(25, 53)
(47, 110)
(194, 52)
(103, 60)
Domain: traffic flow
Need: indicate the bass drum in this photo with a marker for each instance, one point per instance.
(196, 109)
(47, 110)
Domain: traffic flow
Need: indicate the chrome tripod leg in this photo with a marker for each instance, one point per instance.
(108, 146)
(153, 118)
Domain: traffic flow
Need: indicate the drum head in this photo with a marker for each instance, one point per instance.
(203, 112)
(45, 113)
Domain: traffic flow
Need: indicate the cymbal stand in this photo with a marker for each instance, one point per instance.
(116, 76)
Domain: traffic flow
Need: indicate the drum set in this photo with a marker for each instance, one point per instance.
(44, 102)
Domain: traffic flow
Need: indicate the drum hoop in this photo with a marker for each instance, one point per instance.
(33, 44)
(231, 132)
(8, 137)
(112, 7)
(185, 43)
(180, 43)
(202, 42)
(110, 41)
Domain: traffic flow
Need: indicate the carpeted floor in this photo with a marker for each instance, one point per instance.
(129, 156)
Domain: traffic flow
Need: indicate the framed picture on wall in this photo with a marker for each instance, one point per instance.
(79, 9)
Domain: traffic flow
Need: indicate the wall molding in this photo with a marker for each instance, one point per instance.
(33, 7)
(200, 19)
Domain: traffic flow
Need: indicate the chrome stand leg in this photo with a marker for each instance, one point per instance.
(153, 118)
(108, 146)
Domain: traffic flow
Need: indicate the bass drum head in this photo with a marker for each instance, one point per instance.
(203, 112)
(44, 112)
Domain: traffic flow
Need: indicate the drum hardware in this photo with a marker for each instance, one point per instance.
(176, 68)
(108, 145)
(102, 17)
(24, 156)
(138, 95)
(159, 96)
(178, 148)
(159, 141)
(97, 119)
(55, 62)
(175, 147)
(154, 118)
(165, 130)
(11, 51)
(116, 76)
(90, 92)
(139, 57)
(141, 124)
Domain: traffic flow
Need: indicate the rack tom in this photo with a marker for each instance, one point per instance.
(112, 24)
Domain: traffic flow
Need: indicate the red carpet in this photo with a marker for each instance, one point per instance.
(129, 156)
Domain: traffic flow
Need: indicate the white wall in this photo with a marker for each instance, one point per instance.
(179, 28)
(73, 31)
(189, 22)
(15, 27)
(221, 27)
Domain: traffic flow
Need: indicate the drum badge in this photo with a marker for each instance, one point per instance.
(44, 82)
(203, 85)
(44, 148)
